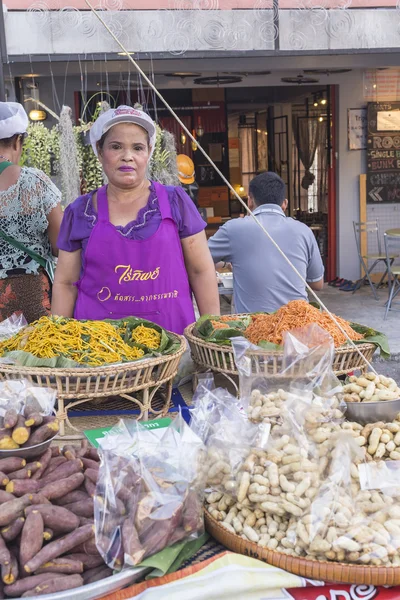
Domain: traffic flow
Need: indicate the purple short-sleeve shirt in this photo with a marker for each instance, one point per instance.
(80, 217)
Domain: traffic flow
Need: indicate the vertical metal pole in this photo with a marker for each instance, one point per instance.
(3, 54)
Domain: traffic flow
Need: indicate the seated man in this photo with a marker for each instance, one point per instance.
(263, 281)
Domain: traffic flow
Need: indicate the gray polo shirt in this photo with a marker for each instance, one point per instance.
(263, 281)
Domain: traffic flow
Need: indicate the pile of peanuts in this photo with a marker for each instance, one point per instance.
(371, 388)
(277, 498)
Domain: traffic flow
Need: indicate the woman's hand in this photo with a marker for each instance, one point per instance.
(64, 291)
(201, 272)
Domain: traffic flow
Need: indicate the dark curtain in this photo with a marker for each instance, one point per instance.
(307, 134)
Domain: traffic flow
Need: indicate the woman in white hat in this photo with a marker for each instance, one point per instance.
(133, 247)
(30, 217)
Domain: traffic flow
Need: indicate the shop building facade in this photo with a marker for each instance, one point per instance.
(249, 76)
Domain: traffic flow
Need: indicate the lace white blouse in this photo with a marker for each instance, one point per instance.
(24, 207)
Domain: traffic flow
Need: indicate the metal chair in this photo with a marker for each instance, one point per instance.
(390, 238)
(370, 227)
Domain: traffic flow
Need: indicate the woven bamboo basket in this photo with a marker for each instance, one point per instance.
(304, 567)
(81, 384)
(268, 362)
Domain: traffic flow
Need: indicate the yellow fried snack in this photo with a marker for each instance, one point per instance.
(92, 343)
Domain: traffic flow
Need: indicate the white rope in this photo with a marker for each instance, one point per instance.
(251, 214)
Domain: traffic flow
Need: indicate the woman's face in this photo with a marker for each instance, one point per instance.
(125, 155)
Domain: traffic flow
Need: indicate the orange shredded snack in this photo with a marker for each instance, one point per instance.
(227, 318)
(219, 325)
(296, 314)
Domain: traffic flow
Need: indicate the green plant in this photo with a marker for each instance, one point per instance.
(38, 148)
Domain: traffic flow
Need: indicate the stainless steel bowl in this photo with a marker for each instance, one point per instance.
(31, 452)
(372, 412)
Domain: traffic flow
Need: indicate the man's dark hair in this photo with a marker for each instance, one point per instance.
(267, 188)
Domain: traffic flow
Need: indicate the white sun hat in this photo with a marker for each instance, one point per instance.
(13, 119)
(122, 114)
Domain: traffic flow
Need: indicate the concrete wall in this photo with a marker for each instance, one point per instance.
(178, 32)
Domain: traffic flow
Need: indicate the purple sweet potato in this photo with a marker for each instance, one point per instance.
(34, 466)
(178, 535)
(70, 452)
(52, 586)
(131, 542)
(165, 520)
(90, 464)
(4, 479)
(58, 518)
(39, 499)
(92, 474)
(24, 473)
(48, 534)
(21, 432)
(34, 420)
(8, 465)
(44, 461)
(65, 565)
(61, 472)
(58, 547)
(5, 496)
(10, 510)
(75, 496)
(192, 512)
(57, 489)
(9, 572)
(55, 451)
(119, 505)
(23, 585)
(89, 561)
(41, 434)
(10, 418)
(90, 487)
(83, 508)
(20, 487)
(6, 441)
(88, 547)
(5, 556)
(85, 521)
(31, 537)
(82, 451)
(96, 574)
(11, 531)
(93, 454)
(54, 463)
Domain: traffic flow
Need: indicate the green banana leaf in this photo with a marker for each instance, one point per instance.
(26, 359)
(206, 331)
(373, 337)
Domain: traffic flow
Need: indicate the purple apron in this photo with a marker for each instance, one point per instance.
(124, 277)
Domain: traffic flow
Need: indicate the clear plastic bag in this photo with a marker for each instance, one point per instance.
(355, 516)
(19, 394)
(12, 325)
(149, 492)
(232, 441)
(305, 373)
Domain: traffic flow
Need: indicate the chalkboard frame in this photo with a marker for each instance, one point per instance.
(383, 158)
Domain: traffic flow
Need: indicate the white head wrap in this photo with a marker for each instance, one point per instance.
(122, 114)
(13, 119)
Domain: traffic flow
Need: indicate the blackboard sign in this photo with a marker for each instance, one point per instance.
(383, 164)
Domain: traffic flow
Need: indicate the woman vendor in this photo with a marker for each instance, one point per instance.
(134, 247)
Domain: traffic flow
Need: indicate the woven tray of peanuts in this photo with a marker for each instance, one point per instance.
(322, 498)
